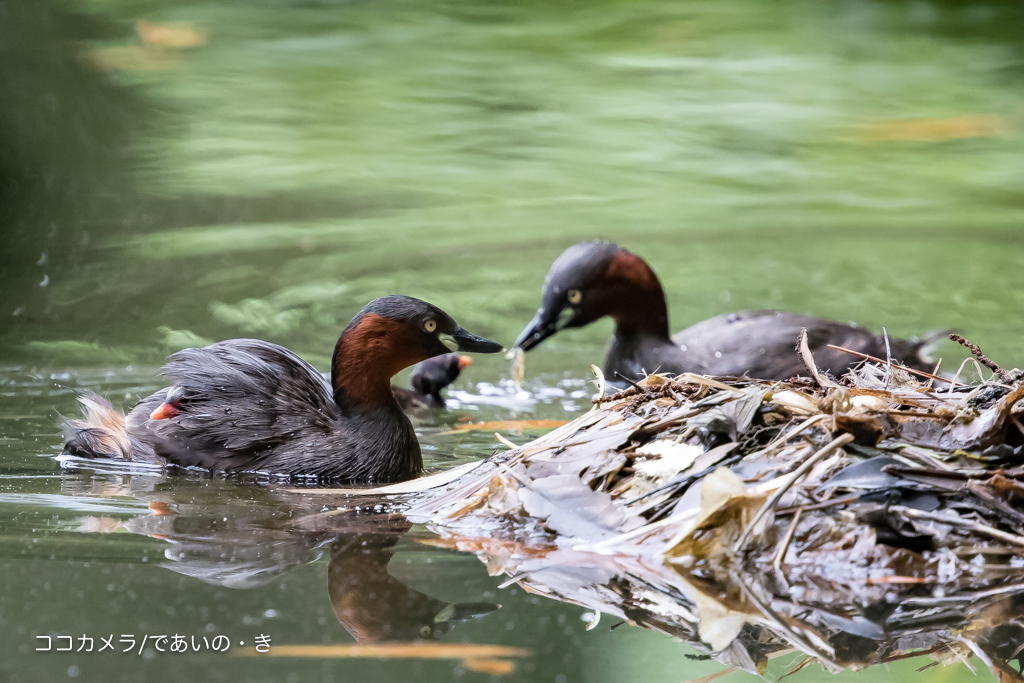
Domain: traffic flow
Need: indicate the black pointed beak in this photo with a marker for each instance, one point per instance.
(470, 343)
(538, 329)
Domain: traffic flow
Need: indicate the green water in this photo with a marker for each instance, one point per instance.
(856, 160)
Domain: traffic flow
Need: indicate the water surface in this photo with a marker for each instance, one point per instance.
(264, 170)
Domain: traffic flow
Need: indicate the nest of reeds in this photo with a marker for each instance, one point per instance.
(858, 521)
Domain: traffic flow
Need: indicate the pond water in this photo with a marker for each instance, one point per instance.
(178, 172)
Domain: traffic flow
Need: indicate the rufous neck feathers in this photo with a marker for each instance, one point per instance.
(369, 353)
(637, 300)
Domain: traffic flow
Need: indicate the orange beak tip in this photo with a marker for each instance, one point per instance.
(464, 362)
(164, 412)
(161, 509)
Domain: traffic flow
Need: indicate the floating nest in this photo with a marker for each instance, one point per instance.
(859, 521)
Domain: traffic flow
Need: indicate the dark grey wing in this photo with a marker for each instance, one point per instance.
(909, 353)
(763, 344)
(755, 343)
(242, 397)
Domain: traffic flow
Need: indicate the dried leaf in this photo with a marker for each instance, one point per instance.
(718, 625)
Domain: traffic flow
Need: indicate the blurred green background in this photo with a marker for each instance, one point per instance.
(178, 172)
(227, 169)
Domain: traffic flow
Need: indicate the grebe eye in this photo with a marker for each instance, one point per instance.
(430, 325)
(575, 296)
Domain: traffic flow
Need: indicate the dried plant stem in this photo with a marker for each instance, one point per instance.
(713, 676)
(505, 442)
(888, 358)
(796, 430)
(818, 506)
(935, 371)
(631, 381)
(973, 526)
(919, 373)
(787, 539)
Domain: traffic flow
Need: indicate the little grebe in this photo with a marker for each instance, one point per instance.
(245, 405)
(428, 381)
(591, 280)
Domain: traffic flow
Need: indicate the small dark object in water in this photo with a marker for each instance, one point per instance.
(591, 280)
(245, 405)
(429, 380)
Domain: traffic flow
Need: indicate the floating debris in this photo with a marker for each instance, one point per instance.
(517, 369)
(490, 659)
(515, 426)
(860, 521)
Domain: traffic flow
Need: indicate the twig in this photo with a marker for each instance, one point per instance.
(957, 375)
(801, 665)
(713, 676)
(818, 506)
(919, 373)
(985, 360)
(515, 579)
(967, 524)
(964, 597)
(787, 539)
(793, 478)
(888, 358)
(690, 378)
(878, 580)
(903, 470)
(935, 371)
(796, 430)
(627, 379)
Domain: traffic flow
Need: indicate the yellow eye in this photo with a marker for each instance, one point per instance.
(430, 326)
(575, 296)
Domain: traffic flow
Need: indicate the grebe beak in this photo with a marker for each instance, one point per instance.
(537, 330)
(465, 341)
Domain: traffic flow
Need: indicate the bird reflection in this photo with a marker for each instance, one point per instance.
(376, 607)
(248, 542)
